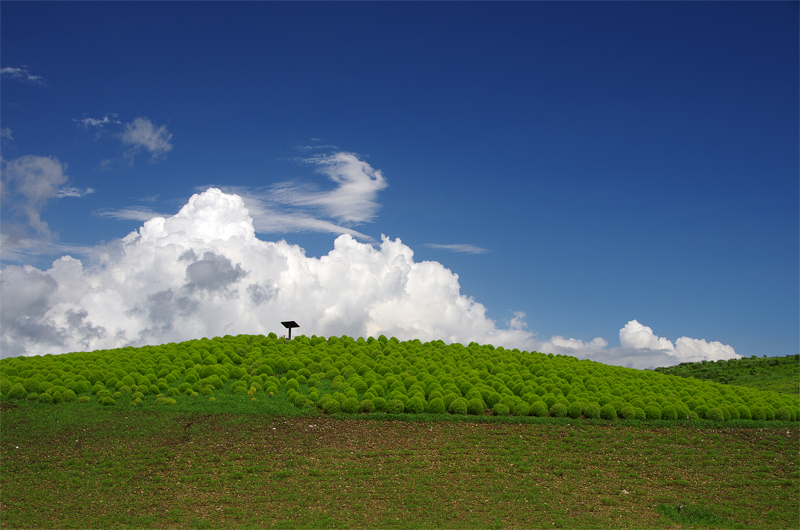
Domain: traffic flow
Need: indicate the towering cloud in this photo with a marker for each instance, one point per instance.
(203, 272)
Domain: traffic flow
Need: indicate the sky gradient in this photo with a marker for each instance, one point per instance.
(617, 181)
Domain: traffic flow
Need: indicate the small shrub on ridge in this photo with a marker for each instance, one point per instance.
(415, 405)
(520, 409)
(458, 406)
(715, 414)
(331, 406)
(475, 406)
(653, 412)
(436, 406)
(395, 406)
(381, 405)
(607, 412)
(350, 405)
(502, 410)
(367, 406)
(575, 410)
(538, 409)
(592, 410)
(559, 410)
(669, 413)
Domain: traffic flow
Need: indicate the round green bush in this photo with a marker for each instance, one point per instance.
(367, 406)
(84, 399)
(350, 405)
(415, 405)
(539, 409)
(33, 396)
(575, 410)
(449, 398)
(757, 413)
(475, 405)
(436, 406)
(668, 412)
(502, 410)
(107, 400)
(173, 392)
(18, 391)
(492, 399)
(783, 414)
(395, 406)
(769, 413)
(520, 408)
(715, 414)
(608, 412)
(733, 412)
(458, 406)
(559, 410)
(653, 412)
(744, 412)
(702, 411)
(592, 410)
(381, 405)
(331, 406)
(44, 397)
(693, 415)
(627, 413)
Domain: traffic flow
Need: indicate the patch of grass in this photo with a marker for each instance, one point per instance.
(694, 516)
(164, 467)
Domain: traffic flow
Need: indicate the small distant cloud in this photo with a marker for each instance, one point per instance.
(142, 134)
(315, 146)
(134, 213)
(73, 192)
(22, 75)
(466, 249)
(5, 132)
(94, 122)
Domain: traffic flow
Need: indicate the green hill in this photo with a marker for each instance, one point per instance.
(257, 432)
(779, 374)
(342, 374)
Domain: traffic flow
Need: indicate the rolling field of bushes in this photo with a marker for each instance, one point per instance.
(260, 432)
(780, 374)
(344, 375)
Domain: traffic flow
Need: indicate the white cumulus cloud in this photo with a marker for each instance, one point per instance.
(637, 337)
(203, 272)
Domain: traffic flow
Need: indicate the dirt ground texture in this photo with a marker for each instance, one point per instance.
(195, 471)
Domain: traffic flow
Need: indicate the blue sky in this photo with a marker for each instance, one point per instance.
(586, 164)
